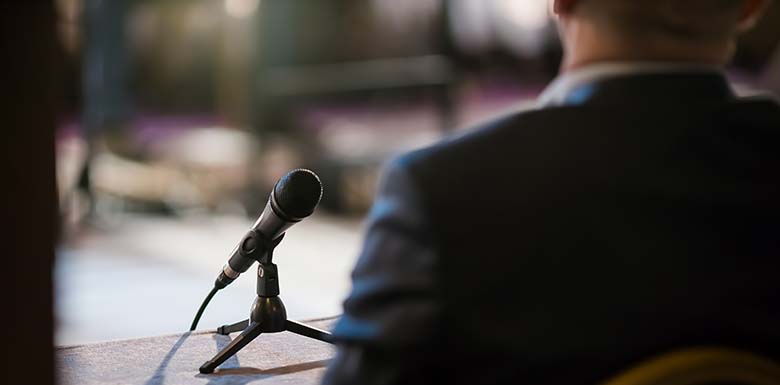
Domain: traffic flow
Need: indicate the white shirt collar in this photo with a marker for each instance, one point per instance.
(558, 90)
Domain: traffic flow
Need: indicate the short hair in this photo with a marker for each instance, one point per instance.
(695, 20)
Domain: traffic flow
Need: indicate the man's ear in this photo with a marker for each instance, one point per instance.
(751, 13)
(563, 7)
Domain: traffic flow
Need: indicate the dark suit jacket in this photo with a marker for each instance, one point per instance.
(563, 244)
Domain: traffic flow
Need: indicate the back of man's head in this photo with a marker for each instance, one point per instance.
(691, 30)
(695, 20)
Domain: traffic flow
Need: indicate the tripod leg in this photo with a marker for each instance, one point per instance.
(232, 328)
(308, 331)
(250, 333)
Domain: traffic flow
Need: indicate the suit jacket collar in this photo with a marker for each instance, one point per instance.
(610, 83)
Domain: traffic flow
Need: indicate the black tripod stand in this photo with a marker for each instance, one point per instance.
(268, 314)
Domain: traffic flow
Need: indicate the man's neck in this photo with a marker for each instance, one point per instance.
(587, 46)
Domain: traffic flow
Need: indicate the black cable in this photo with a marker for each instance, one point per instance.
(203, 307)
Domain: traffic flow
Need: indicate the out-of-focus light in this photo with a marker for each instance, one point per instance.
(522, 26)
(527, 14)
(241, 8)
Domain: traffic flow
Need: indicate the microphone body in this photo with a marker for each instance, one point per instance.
(293, 198)
(270, 225)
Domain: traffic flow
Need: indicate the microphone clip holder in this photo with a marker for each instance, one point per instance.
(267, 272)
(268, 314)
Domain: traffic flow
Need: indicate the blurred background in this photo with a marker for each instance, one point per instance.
(180, 115)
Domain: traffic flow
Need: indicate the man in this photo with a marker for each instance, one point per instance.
(636, 211)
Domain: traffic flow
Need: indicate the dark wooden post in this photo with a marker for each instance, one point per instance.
(28, 77)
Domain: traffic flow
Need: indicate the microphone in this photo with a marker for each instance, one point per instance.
(294, 197)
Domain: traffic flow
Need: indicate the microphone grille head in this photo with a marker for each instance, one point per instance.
(298, 193)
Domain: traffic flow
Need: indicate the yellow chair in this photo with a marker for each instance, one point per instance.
(702, 366)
